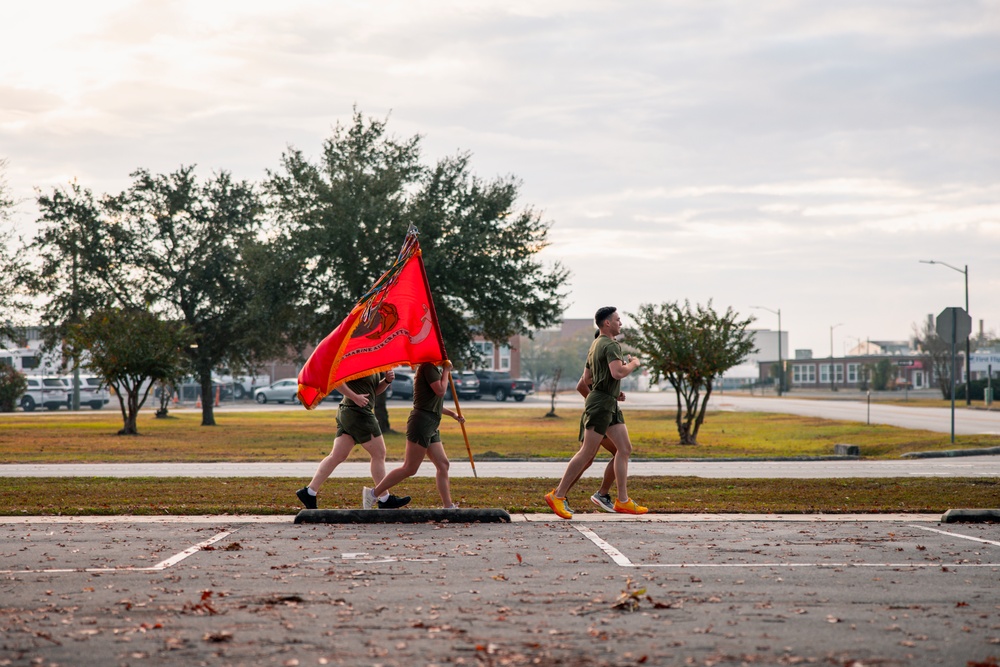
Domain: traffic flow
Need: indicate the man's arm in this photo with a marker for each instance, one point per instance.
(386, 382)
(585, 383)
(620, 370)
(361, 400)
(441, 386)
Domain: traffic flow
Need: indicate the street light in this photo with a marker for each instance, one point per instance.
(781, 366)
(833, 374)
(968, 346)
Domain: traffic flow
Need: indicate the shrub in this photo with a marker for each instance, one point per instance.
(12, 385)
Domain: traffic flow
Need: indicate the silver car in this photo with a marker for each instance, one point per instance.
(279, 392)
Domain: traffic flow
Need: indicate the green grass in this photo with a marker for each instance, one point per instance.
(190, 496)
(513, 433)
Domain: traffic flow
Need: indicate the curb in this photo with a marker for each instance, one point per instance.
(971, 516)
(404, 516)
(951, 452)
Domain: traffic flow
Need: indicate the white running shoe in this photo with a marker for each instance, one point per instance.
(367, 498)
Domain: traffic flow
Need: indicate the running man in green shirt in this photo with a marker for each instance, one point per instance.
(422, 435)
(356, 424)
(601, 416)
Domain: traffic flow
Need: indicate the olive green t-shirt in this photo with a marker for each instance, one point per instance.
(365, 385)
(424, 397)
(603, 351)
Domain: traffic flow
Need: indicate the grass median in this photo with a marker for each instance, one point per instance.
(234, 496)
(521, 434)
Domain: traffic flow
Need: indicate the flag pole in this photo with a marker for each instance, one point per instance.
(454, 394)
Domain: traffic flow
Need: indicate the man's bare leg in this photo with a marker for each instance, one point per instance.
(376, 449)
(580, 461)
(439, 458)
(619, 435)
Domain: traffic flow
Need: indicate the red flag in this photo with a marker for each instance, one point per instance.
(393, 324)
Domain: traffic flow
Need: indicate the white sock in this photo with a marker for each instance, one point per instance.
(384, 497)
(310, 491)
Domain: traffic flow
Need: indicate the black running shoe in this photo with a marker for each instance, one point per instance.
(393, 502)
(307, 498)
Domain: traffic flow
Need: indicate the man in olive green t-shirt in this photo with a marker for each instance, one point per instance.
(602, 417)
(422, 436)
(356, 424)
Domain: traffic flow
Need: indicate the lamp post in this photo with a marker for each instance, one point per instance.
(968, 346)
(781, 366)
(833, 373)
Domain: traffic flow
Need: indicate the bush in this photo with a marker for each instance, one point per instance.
(12, 385)
(978, 389)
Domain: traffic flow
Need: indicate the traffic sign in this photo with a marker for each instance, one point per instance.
(953, 325)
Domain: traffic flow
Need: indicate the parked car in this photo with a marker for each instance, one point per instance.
(279, 392)
(93, 391)
(50, 393)
(500, 385)
(466, 383)
(402, 385)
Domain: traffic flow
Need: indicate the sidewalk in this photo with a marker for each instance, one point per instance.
(969, 466)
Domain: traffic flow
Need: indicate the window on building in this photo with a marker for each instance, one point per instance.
(485, 349)
(852, 372)
(824, 372)
(504, 357)
(803, 373)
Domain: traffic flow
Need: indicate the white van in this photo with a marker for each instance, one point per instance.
(50, 393)
(93, 391)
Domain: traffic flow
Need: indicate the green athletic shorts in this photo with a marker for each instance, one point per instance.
(422, 427)
(359, 424)
(600, 412)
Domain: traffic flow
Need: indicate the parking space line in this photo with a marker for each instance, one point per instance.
(162, 565)
(964, 537)
(623, 561)
(616, 556)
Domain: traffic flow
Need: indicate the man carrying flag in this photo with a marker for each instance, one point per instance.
(393, 324)
(422, 436)
(356, 424)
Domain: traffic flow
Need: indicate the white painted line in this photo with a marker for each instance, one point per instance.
(816, 565)
(162, 565)
(616, 556)
(623, 561)
(173, 560)
(600, 517)
(964, 537)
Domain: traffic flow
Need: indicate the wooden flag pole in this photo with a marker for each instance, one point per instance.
(458, 410)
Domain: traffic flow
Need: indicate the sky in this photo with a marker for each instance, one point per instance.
(798, 156)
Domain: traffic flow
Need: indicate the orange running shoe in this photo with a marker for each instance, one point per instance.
(558, 505)
(629, 507)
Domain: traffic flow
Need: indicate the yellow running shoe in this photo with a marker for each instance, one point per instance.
(629, 507)
(558, 505)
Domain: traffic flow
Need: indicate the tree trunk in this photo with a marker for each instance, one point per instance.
(382, 413)
(207, 398)
(555, 390)
(130, 410)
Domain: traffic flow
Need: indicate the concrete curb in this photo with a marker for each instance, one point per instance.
(971, 516)
(988, 451)
(403, 516)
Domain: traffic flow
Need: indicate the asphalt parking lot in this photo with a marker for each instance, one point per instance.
(609, 591)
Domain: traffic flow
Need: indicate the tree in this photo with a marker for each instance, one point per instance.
(13, 299)
(131, 349)
(200, 255)
(691, 348)
(12, 385)
(74, 256)
(548, 357)
(347, 214)
(939, 352)
(882, 374)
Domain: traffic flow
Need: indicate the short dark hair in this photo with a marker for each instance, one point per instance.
(603, 314)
